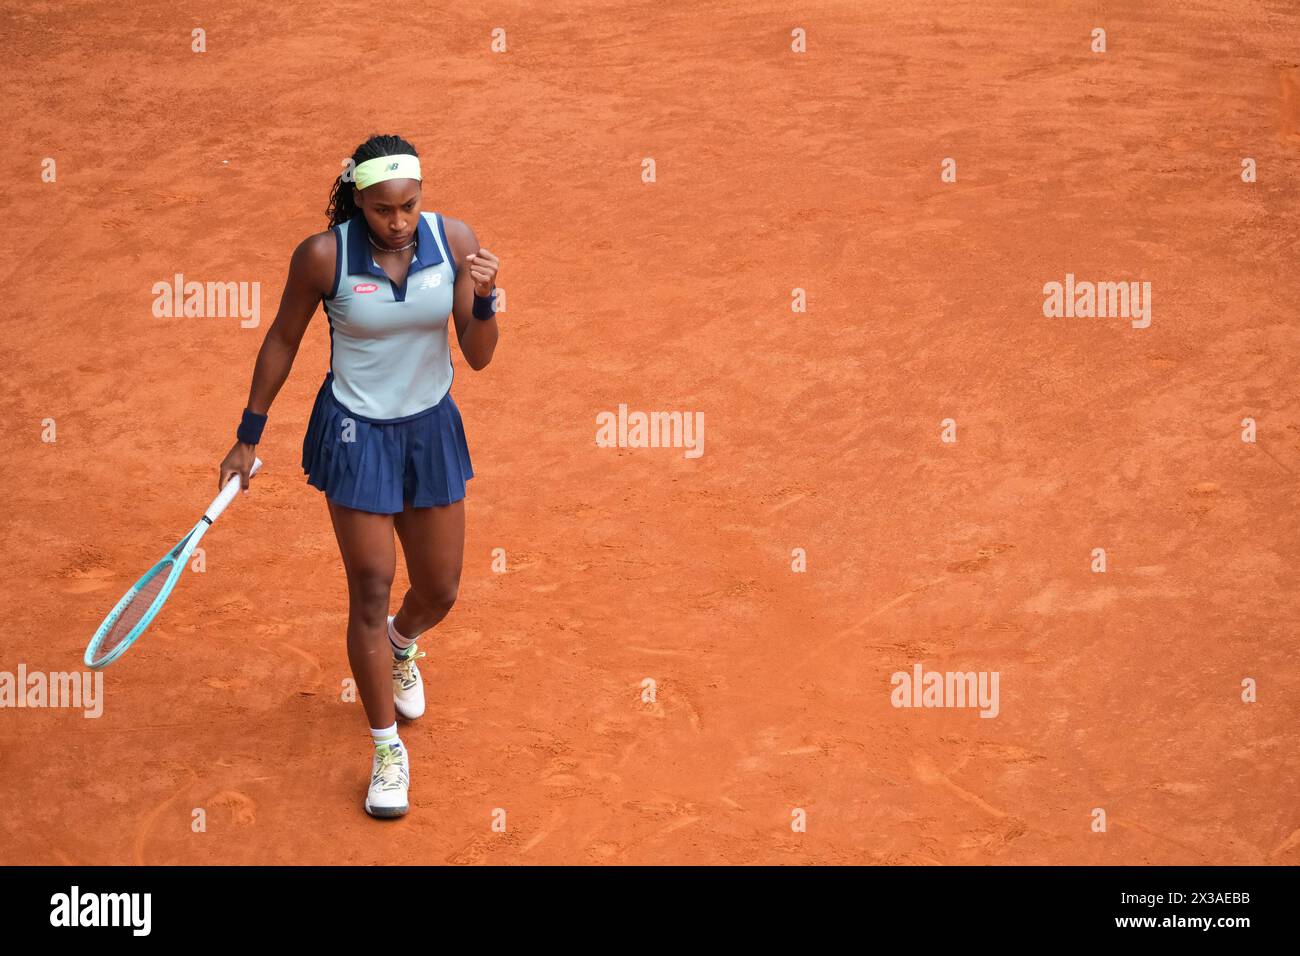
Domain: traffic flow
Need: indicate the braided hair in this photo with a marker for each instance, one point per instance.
(343, 197)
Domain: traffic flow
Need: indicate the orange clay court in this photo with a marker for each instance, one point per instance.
(775, 170)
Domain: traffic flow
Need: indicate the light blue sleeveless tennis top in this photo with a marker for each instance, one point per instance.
(389, 352)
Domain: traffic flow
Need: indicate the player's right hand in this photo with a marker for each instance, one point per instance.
(238, 462)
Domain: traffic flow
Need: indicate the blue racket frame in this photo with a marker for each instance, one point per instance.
(173, 565)
(176, 562)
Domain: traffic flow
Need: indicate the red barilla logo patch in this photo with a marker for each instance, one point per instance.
(365, 287)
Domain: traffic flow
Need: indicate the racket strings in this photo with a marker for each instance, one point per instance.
(132, 613)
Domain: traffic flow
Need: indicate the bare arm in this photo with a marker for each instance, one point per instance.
(476, 270)
(311, 277)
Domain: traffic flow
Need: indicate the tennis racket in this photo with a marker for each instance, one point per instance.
(140, 605)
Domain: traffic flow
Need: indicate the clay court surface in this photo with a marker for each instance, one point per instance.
(775, 171)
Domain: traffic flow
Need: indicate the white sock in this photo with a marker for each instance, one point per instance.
(388, 735)
(400, 643)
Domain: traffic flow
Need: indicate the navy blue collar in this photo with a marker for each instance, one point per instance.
(360, 259)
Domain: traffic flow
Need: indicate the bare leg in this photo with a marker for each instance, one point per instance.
(366, 543)
(433, 540)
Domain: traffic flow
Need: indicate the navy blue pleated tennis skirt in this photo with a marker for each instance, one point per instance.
(421, 460)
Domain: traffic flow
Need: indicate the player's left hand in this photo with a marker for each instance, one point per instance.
(483, 268)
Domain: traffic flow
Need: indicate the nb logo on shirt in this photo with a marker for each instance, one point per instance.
(430, 281)
(364, 287)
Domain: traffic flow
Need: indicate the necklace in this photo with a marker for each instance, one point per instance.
(409, 245)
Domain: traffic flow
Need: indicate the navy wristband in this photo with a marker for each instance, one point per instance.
(484, 306)
(250, 428)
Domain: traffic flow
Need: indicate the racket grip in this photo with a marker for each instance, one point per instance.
(223, 500)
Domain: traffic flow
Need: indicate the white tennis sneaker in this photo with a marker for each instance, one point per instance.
(390, 780)
(408, 685)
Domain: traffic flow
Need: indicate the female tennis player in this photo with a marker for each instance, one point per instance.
(385, 441)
